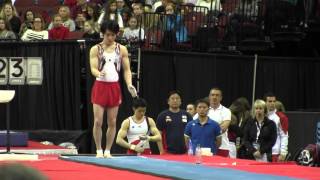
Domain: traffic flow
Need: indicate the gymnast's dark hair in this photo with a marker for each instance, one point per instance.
(110, 25)
(139, 102)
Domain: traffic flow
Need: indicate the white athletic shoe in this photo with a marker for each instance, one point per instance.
(99, 153)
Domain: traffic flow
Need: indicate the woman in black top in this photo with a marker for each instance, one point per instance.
(260, 134)
(9, 13)
(240, 114)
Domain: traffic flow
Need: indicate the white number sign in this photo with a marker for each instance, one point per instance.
(3, 71)
(34, 69)
(17, 71)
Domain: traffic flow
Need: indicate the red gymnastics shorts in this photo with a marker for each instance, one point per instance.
(106, 94)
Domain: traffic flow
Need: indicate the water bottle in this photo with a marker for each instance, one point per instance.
(190, 149)
(198, 154)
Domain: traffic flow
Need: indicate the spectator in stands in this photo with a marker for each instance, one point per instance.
(92, 12)
(110, 13)
(67, 22)
(137, 11)
(222, 116)
(37, 32)
(133, 32)
(240, 114)
(123, 10)
(5, 30)
(80, 19)
(280, 149)
(171, 124)
(174, 23)
(191, 109)
(203, 131)
(138, 129)
(58, 32)
(260, 134)
(93, 15)
(10, 14)
(28, 22)
(89, 31)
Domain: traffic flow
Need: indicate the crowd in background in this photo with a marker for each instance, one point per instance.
(85, 16)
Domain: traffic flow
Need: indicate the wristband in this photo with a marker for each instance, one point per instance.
(132, 147)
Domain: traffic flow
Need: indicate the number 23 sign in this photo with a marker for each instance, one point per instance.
(21, 70)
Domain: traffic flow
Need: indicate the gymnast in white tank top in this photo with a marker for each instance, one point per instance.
(136, 130)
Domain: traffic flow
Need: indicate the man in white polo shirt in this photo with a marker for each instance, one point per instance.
(222, 116)
(280, 148)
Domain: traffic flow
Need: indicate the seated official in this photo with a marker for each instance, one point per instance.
(203, 130)
(137, 129)
(260, 134)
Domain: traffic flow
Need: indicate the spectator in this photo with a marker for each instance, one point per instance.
(191, 109)
(10, 14)
(137, 11)
(171, 124)
(67, 22)
(260, 134)
(89, 31)
(174, 23)
(240, 114)
(93, 15)
(203, 131)
(28, 22)
(137, 129)
(123, 10)
(222, 116)
(280, 149)
(111, 13)
(92, 12)
(80, 19)
(133, 32)
(58, 32)
(5, 30)
(37, 32)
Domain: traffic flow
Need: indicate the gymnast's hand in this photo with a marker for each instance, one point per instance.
(139, 149)
(132, 90)
(102, 74)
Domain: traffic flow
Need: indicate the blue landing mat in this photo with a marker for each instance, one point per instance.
(171, 169)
